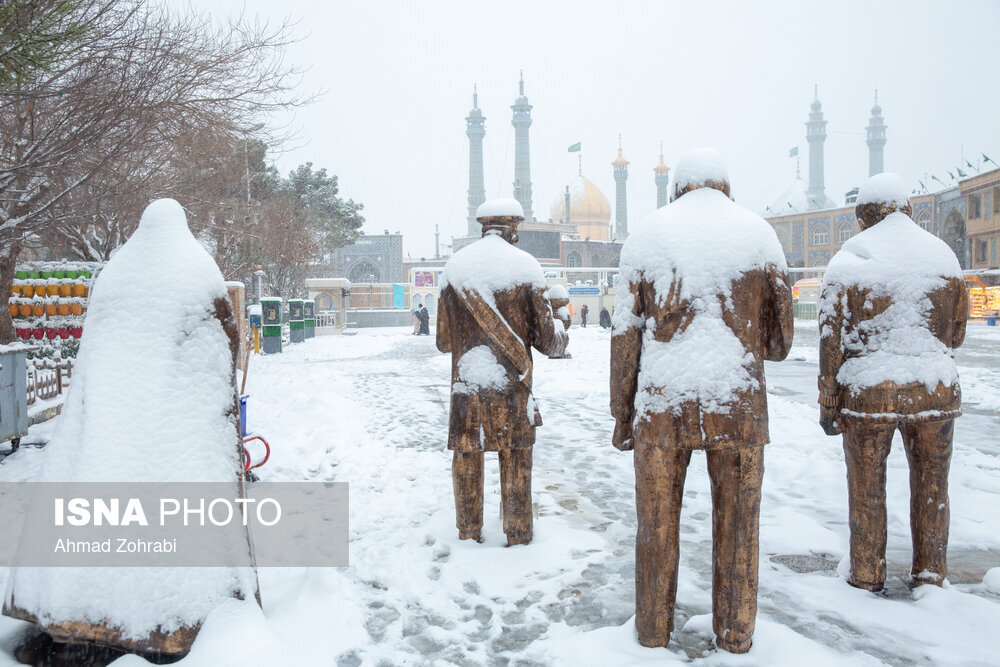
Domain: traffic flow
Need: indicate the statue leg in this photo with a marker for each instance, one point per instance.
(515, 494)
(866, 447)
(467, 477)
(736, 475)
(659, 491)
(928, 450)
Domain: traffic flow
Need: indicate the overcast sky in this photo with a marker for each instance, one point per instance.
(739, 76)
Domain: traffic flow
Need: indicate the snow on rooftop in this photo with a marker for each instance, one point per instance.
(699, 166)
(151, 392)
(499, 207)
(887, 188)
(490, 265)
(793, 198)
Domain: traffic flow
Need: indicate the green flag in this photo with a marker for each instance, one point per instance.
(575, 148)
(987, 159)
(960, 172)
(792, 152)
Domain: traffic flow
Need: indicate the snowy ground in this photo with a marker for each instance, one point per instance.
(372, 410)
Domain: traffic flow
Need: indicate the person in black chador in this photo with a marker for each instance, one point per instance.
(605, 318)
(425, 319)
(583, 315)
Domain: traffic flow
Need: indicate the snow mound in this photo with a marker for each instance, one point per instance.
(894, 258)
(490, 265)
(478, 369)
(557, 291)
(152, 389)
(698, 167)
(884, 188)
(992, 580)
(499, 207)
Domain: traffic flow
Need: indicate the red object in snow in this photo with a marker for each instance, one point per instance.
(63, 332)
(51, 333)
(246, 453)
(24, 333)
(76, 332)
(38, 333)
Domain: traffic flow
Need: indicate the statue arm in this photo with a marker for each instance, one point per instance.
(545, 336)
(443, 333)
(831, 356)
(626, 348)
(961, 315)
(781, 324)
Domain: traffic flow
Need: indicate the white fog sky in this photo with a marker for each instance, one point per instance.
(739, 76)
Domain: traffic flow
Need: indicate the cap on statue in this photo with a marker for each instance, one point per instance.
(881, 195)
(701, 168)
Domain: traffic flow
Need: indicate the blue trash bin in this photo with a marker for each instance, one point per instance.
(991, 321)
(243, 414)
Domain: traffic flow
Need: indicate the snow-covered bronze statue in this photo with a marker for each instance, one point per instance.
(558, 298)
(492, 311)
(153, 400)
(704, 299)
(893, 307)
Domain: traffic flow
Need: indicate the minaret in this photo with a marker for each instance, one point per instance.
(816, 135)
(876, 140)
(437, 243)
(662, 178)
(522, 156)
(475, 128)
(621, 202)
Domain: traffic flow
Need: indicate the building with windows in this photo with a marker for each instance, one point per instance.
(982, 204)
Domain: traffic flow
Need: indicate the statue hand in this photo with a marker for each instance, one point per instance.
(829, 419)
(622, 438)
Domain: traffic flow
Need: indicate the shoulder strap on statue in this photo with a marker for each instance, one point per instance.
(497, 329)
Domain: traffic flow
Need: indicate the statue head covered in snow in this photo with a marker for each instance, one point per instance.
(701, 168)
(881, 195)
(501, 216)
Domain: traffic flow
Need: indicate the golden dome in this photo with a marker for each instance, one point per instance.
(589, 209)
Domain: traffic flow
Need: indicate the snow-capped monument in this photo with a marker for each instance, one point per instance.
(153, 400)
(893, 306)
(704, 299)
(493, 309)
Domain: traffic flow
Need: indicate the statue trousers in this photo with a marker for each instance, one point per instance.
(515, 493)
(928, 452)
(736, 474)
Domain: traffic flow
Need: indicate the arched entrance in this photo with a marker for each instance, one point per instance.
(956, 238)
(365, 271)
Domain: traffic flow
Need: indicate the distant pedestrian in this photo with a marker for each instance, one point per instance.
(425, 319)
(605, 318)
(415, 310)
(583, 315)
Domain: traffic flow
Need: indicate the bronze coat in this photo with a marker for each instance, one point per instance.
(507, 418)
(758, 312)
(844, 311)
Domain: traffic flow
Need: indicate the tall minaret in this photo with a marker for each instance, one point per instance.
(475, 128)
(816, 135)
(876, 140)
(522, 156)
(621, 200)
(662, 178)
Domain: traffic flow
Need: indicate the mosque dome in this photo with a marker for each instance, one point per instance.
(589, 209)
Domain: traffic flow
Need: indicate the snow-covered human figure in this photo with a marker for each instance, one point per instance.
(893, 306)
(152, 400)
(492, 311)
(584, 312)
(704, 299)
(605, 318)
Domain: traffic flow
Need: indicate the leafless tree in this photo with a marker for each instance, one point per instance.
(136, 82)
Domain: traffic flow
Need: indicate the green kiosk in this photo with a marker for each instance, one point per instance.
(271, 320)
